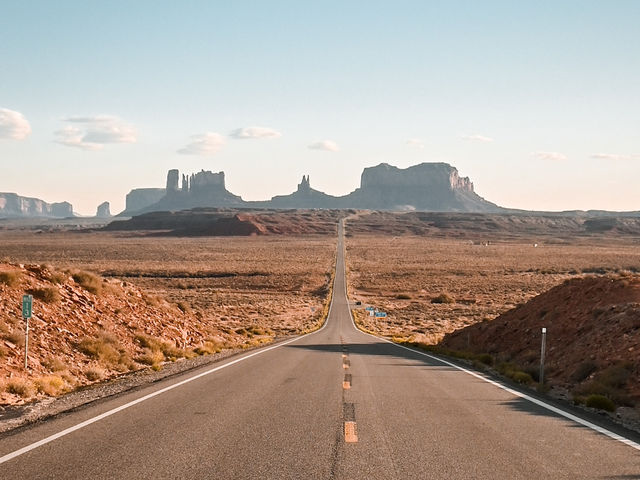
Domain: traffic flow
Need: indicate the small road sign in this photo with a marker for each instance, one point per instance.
(27, 306)
(27, 310)
(381, 314)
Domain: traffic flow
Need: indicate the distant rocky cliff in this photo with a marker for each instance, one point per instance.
(13, 205)
(428, 187)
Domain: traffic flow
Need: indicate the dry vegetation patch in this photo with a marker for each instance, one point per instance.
(112, 304)
(454, 283)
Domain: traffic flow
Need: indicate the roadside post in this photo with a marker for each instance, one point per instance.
(27, 308)
(542, 352)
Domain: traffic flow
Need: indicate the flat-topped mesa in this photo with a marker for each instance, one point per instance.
(424, 176)
(13, 205)
(427, 186)
(205, 180)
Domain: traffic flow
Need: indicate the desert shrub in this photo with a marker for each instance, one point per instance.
(184, 307)
(151, 300)
(521, 377)
(11, 278)
(209, 347)
(89, 281)
(151, 357)
(485, 358)
(51, 385)
(601, 402)
(583, 371)
(106, 349)
(615, 376)
(58, 278)
(443, 298)
(16, 337)
(166, 349)
(20, 387)
(94, 373)
(403, 296)
(54, 364)
(46, 295)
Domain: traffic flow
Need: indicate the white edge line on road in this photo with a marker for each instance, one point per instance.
(67, 431)
(524, 396)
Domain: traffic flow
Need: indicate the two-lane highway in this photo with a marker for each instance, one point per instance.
(337, 403)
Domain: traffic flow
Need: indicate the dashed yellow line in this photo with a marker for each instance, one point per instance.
(350, 432)
(346, 385)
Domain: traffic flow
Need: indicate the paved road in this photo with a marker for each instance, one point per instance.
(285, 412)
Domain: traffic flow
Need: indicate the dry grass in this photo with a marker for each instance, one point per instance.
(106, 348)
(271, 281)
(54, 364)
(484, 280)
(51, 385)
(89, 281)
(94, 374)
(19, 386)
(46, 295)
(10, 278)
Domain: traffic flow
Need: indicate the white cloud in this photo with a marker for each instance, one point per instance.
(477, 138)
(554, 156)
(13, 125)
(254, 132)
(92, 133)
(205, 144)
(415, 143)
(326, 145)
(614, 156)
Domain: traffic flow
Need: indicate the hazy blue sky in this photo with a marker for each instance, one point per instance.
(538, 102)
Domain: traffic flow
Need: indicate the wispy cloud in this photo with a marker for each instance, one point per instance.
(554, 156)
(614, 156)
(415, 143)
(92, 133)
(207, 143)
(326, 145)
(13, 125)
(477, 138)
(254, 132)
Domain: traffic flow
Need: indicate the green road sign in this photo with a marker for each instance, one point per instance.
(27, 304)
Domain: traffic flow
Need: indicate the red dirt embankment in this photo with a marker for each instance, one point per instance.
(593, 337)
(85, 328)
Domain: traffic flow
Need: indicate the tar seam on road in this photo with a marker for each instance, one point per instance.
(524, 396)
(67, 431)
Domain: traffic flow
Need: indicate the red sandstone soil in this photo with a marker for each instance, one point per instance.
(593, 325)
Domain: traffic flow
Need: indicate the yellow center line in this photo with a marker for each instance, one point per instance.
(350, 432)
(346, 385)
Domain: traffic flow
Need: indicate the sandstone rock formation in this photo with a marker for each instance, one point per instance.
(13, 205)
(202, 189)
(104, 210)
(428, 186)
(140, 198)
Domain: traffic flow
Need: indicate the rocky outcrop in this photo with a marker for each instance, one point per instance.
(13, 205)
(103, 210)
(428, 186)
(303, 197)
(140, 198)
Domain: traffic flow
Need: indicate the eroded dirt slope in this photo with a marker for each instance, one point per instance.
(593, 336)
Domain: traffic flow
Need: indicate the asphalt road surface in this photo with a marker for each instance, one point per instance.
(337, 403)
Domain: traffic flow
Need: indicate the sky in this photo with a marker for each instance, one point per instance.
(537, 102)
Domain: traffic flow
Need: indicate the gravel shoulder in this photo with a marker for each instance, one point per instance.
(13, 417)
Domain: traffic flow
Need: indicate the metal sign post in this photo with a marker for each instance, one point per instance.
(542, 352)
(27, 307)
